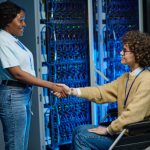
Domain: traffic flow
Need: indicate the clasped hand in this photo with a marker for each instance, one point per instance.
(65, 91)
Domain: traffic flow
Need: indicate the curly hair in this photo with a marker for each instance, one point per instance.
(8, 11)
(139, 44)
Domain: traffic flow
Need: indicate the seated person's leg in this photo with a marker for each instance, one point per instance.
(84, 140)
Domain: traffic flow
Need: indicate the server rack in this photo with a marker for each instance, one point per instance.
(65, 59)
(112, 18)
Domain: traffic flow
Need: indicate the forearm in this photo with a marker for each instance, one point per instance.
(92, 94)
(27, 78)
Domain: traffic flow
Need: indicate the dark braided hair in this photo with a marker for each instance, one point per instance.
(8, 11)
(139, 44)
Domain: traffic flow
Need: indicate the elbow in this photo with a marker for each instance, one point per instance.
(17, 73)
(18, 76)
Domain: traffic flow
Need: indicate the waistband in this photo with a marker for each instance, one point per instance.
(14, 83)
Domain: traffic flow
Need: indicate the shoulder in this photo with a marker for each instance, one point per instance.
(143, 80)
(5, 38)
(123, 77)
(145, 75)
(2, 37)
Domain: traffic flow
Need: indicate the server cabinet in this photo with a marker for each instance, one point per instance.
(65, 59)
(112, 18)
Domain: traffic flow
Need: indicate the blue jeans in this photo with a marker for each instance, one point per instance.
(15, 115)
(84, 140)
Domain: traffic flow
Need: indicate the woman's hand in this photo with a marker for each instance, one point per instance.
(65, 88)
(99, 130)
(60, 90)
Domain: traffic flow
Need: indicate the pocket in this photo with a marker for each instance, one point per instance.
(18, 92)
(20, 95)
(5, 94)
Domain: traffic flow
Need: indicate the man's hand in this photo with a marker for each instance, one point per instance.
(60, 90)
(65, 91)
(99, 130)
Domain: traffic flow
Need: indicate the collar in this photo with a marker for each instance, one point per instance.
(5, 33)
(136, 71)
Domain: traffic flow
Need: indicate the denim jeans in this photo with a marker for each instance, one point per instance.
(15, 115)
(84, 140)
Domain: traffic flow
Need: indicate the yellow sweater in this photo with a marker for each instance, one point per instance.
(138, 104)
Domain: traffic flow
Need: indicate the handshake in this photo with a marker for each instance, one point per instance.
(62, 90)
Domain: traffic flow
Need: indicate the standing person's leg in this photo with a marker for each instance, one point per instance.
(13, 112)
(27, 129)
(28, 111)
(84, 140)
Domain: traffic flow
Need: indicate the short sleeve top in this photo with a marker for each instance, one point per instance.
(14, 53)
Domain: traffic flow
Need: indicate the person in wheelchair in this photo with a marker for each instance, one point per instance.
(131, 91)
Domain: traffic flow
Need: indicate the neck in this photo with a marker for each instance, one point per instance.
(134, 67)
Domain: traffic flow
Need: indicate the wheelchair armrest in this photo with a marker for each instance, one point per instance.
(142, 124)
(138, 128)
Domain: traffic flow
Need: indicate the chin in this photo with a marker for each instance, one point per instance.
(123, 62)
(19, 34)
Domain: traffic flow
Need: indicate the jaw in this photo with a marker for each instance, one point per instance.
(132, 66)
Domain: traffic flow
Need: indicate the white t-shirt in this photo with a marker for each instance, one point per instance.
(14, 53)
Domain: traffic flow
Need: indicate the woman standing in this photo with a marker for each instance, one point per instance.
(18, 75)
